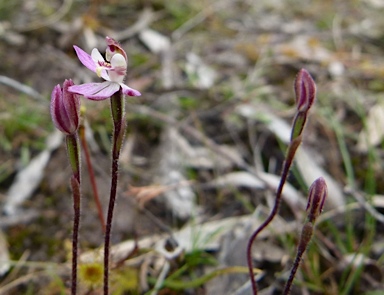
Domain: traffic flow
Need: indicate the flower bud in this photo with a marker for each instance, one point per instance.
(65, 108)
(317, 194)
(305, 90)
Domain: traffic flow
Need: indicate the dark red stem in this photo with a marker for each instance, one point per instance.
(287, 165)
(92, 176)
(305, 238)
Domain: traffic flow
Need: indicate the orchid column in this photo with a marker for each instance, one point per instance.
(112, 69)
(65, 112)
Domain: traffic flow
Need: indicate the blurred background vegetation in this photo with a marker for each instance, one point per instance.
(205, 143)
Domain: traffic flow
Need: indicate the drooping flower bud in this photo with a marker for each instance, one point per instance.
(316, 198)
(65, 108)
(305, 90)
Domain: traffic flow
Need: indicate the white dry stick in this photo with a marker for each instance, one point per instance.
(29, 178)
(161, 277)
(22, 88)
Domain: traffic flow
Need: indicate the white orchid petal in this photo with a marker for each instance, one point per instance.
(96, 56)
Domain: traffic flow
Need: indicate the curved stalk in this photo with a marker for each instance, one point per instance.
(287, 165)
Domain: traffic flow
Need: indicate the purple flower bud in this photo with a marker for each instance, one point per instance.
(305, 89)
(317, 195)
(65, 108)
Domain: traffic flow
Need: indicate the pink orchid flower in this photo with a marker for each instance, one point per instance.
(112, 69)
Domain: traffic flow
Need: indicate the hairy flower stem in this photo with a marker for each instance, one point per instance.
(287, 165)
(306, 236)
(76, 224)
(316, 198)
(117, 109)
(73, 150)
(91, 176)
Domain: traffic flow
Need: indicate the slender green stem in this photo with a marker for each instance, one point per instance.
(73, 150)
(117, 108)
